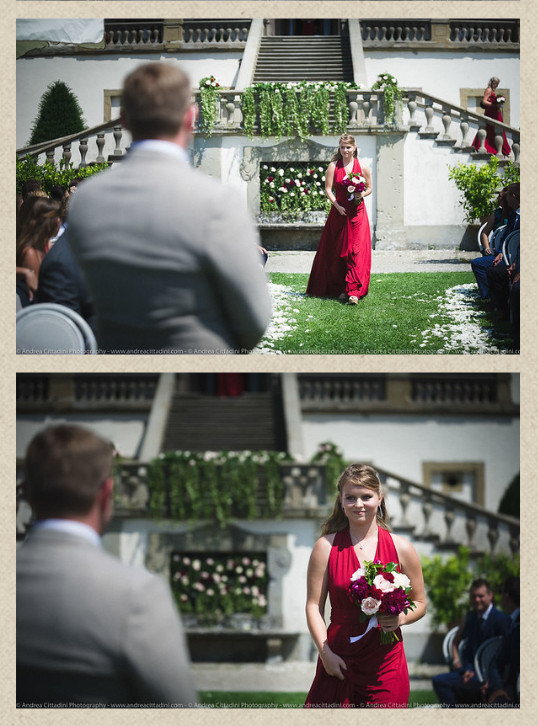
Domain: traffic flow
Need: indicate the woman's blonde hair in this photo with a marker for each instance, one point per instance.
(360, 475)
(345, 139)
(493, 80)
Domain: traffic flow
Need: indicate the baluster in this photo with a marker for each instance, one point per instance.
(514, 541)
(412, 107)
(405, 499)
(67, 154)
(427, 509)
(482, 137)
(83, 149)
(100, 141)
(353, 107)
(230, 111)
(428, 112)
(50, 156)
(516, 149)
(470, 526)
(449, 520)
(366, 106)
(493, 534)
(229, 33)
(499, 142)
(464, 128)
(447, 120)
(117, 140)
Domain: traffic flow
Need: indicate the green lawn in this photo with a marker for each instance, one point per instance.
(265, 699)
(403, 313)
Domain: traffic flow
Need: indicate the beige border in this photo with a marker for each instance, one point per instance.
(527, 10)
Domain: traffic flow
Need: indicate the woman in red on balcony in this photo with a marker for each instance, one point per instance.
(355, 669)
(492, 105)
(341, 267)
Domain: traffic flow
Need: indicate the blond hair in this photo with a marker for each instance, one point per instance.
(360, 475)
(345, 139)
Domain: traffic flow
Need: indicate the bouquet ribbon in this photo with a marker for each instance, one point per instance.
(372, 623)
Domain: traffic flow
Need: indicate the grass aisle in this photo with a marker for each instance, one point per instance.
(420, 312)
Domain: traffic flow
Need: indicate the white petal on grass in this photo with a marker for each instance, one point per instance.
(464, 332)
(281, 321)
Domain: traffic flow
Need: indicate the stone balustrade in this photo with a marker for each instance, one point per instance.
(455, 34)
(431, 117)
(421, 513)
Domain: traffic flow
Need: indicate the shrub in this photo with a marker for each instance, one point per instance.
(510, 500)
(448, 580)
(480, 184)
(49, 174)
(59, 114)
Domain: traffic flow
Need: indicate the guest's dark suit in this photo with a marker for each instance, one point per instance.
(61, 281)
(446, 685)
(93, 630)
(170, 257)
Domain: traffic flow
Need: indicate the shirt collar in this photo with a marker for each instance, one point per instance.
(165, 147)
(487, 612)
(70, 526)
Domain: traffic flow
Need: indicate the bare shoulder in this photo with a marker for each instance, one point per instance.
(404, 548)
(322, 548)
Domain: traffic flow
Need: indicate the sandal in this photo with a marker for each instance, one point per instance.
(353, 300)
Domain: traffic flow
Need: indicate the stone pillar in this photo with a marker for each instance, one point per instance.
(357, 52)
(292, 414)
(390, 233)
(158, 417)
(250, 55)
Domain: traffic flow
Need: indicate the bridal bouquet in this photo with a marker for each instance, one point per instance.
(501, 100)
(378, 588)
(355, 183)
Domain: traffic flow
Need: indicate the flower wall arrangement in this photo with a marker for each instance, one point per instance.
(215, 586)
(290, 190)
(392, 93)
(209, 102)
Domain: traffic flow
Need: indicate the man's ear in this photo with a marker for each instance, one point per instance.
(191, 117)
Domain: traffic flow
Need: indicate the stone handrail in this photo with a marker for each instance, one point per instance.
(366, 113)
(440, 33)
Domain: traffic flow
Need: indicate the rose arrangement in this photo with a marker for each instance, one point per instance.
(378, 588)
(355, 183)
(501, 100)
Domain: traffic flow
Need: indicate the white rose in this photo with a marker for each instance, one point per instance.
(370, 606)
(358, 574)
(384, 585)
(401, 580)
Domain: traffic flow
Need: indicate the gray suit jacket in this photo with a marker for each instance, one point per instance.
(93, 630)
(170, 257)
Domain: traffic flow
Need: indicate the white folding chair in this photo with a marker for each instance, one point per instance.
(48, 328)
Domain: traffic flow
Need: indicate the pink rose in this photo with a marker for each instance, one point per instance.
(370, 606)
(381, 583)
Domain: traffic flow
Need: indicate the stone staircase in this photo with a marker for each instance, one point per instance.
(251, 421)
(304, 58)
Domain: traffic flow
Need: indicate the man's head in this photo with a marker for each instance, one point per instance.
(512, 195)
(480, 596)
(68, 475)
(156, 101)
(510, 594)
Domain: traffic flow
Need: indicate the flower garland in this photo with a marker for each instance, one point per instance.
(209, 102)
(290, 191)
(392, 94)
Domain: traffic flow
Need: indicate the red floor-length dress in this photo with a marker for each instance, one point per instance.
(344, 256)
(493, 112)
(376, 674)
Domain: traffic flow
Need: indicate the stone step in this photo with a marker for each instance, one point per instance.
(289, 58)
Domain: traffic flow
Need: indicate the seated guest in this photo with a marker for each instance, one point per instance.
(38, 221)
(62, 282)
(480, 265)
(502, 684)
(483, 621)
(91, 630)
(494, 221)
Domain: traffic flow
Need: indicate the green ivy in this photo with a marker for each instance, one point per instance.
(448, 581)
(209, 102)
(479, 185)
(331, 456)
(392, 95)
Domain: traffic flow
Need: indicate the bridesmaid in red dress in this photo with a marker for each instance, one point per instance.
(492, 109)
(341, 267)
(365, 673)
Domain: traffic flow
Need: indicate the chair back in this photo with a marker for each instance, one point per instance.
(484, 656)
(511, 249)
(480, 245)
(495, 239)
(48, 328)
(447, 644)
